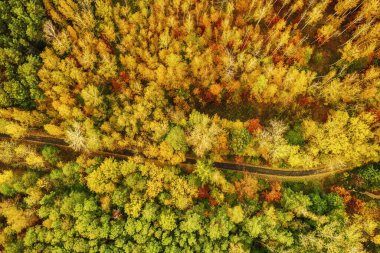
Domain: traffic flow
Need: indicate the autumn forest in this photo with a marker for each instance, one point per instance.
(190, 126)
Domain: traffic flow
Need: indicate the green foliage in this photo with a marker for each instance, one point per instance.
(334, 201)
(177, 139)
(154, 77)
(50, 154)
(294, 136)
(239, 139)
(371, 176)
(167, 220)
(192, 222)
(220, 225)
(204, 170)
(236, 214)
(357, 65)
(296, 202)
(20, 42)
(319, 204)
(143, 213)
(6, 181)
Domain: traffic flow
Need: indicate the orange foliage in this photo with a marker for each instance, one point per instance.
(242, 6)
(124, 76)
(212, 201)
(239, 21)
(376, 112)
(215, 89)
(277, 58)
(246, 187)
(254, 125)
(343, 193)
(203, 192)
(116, 85)
(354, 204)
(305, 100)
(274, 195)
(239, 159)
(207, 96)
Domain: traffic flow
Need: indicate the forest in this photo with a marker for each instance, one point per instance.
(118, 119)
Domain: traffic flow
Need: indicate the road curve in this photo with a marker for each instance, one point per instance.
(40, 139)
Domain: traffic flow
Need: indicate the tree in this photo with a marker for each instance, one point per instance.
(345, 138)
(75, 137)
(294, 136)
(297, 202)
(53, 130)
(220, 225)
(203, 133)
(17, 218)
(239, 139)
(167, 220)
(91, 96)
(6, 183)
(254, 125)
(370, 175)
(275, 194)
(177, 139)
(20, 42)
(319, 203)
(103, 179)
(236, 214)
(50, 154)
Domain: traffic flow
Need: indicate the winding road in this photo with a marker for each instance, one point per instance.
(263, 171)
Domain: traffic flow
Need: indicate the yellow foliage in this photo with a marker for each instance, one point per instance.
(22, 150)
(376, 239)
(53, 130)
(105, 203)
(345, 5)
(28, 118)
(156, 64)
(134, 206)
(15, 130)
(236, 214)
(6, 176)
(33, 159)
(348, 139)
(103, 179)
(61, 43)
(17, 219)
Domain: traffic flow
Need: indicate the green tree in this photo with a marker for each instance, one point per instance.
(177, 139)
(239, 139)
(21, 41)
(50, 154)
(294, 136)
(370, 175)
(319, 203)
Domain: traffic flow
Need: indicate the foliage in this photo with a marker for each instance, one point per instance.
(177, 139)
(294, 136)
(20, 43)
(371, 176)
(125, 75)
(155, 77)
(117, 206)
(239, 139)
(50, 154)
